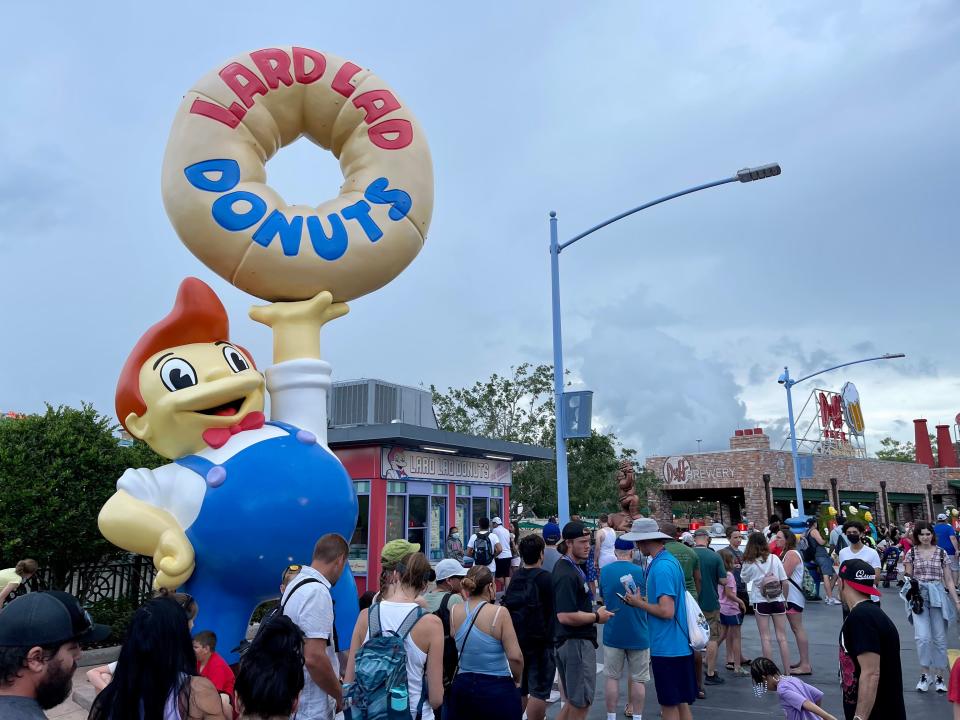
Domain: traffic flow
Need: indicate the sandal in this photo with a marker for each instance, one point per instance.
(701, 695)
(730, 666)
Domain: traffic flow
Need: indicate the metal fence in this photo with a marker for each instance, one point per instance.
(123, 579)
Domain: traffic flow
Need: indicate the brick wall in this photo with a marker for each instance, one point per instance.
(750, 458)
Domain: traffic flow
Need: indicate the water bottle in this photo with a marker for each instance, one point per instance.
(629, 584)
(398, 699)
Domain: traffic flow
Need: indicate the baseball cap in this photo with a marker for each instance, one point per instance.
(551, 535)
(622, 544)
(942, 516)
(449, 568)
(48, 618)
(496, 521)
(701, 532)
(396, 550)
(573, 530)
(859, 575)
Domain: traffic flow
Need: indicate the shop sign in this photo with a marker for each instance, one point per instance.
(401, 464)
(678, 471)
(839, 409)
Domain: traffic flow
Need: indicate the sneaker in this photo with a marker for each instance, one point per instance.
(924, 684)
(941, 685)
(714, 679)
(742, 671)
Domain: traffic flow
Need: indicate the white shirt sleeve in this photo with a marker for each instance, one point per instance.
(315, 616)
(845, 554)
(298, 394)
(170, 487)
(777, 568)
(872, 557)
(472, 541)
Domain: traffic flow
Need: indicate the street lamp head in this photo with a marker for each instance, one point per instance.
(891, 356)
(758, 173)
(783, 378)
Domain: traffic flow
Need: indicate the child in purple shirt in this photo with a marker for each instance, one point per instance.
(798, 700)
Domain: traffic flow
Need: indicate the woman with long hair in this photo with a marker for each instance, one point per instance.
(403, 580)
(101, 675)
(271, 672)
(491, 663)
(156, 675)
(764, 570)
(927, 576)
(793, 567)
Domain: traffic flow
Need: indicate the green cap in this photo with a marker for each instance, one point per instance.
(396, 550)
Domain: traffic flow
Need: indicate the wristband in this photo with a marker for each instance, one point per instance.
(596, 614)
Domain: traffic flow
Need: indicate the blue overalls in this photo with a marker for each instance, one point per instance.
(264, 508)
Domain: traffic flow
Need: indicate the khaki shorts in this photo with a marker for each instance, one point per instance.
(713, 620)
(639, 661)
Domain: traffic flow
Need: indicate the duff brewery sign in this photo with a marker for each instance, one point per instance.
(677, 470)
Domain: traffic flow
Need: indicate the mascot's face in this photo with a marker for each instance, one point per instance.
(191, 388)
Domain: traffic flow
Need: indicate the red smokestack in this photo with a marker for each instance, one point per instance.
(946, 453)
(922, 443)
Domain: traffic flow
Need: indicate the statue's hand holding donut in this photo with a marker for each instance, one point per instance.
(296, 325)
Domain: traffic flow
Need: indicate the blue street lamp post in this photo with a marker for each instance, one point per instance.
(788, 383)
(556, 247)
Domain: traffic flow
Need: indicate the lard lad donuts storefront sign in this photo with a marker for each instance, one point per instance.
(214, 178)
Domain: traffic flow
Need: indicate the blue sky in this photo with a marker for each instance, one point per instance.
(680, 318)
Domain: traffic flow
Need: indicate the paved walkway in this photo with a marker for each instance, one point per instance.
(735, 699)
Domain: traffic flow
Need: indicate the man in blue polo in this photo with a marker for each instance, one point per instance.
(671, 658)
(947, 539)
(625, 638)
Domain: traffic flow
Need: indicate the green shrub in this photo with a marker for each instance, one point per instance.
(115, 613)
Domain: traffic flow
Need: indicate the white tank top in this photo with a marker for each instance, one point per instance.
(605, 553)
(794, 595)
(392, 615)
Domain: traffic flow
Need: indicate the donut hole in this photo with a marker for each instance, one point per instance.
(299, 169)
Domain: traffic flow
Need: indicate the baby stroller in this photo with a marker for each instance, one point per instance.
(889, 561)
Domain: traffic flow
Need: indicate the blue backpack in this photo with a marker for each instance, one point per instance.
(379, 690)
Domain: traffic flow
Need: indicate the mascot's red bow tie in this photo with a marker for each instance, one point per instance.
(217, 437)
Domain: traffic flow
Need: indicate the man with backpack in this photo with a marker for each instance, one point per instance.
(484, 546)
(671, 655)
(576, 632)
(308, 603)
(529, 598)
(439, 602)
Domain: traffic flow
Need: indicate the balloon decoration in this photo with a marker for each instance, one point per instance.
(832, 511)
(244, 497)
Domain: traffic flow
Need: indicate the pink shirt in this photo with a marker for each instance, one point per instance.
(728, 606)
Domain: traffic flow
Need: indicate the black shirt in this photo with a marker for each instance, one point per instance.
(544, 582)
(868, 629)
(570, 595)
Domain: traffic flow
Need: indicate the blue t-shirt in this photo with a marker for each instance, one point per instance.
(668, 638)
(627, 629)
(944, 532)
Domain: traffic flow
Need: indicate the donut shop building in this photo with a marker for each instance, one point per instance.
(413, 480)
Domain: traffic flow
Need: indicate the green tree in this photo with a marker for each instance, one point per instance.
(56, 471)
(897, 451)
(519, 408)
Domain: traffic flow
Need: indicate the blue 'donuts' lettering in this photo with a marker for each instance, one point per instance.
(237, 210)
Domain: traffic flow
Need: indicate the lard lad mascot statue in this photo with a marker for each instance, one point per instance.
(243, 497)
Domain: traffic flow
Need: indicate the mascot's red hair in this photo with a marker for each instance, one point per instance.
(197, 316)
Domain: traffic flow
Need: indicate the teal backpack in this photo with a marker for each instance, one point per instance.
(379, 690)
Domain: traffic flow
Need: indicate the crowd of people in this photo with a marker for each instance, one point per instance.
(496, 625)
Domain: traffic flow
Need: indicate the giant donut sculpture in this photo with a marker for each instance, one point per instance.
(214, 178)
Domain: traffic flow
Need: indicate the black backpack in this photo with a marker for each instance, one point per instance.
(277, 610)
(522, 599)
(809, 549)
(483, 549)
(449, 643)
